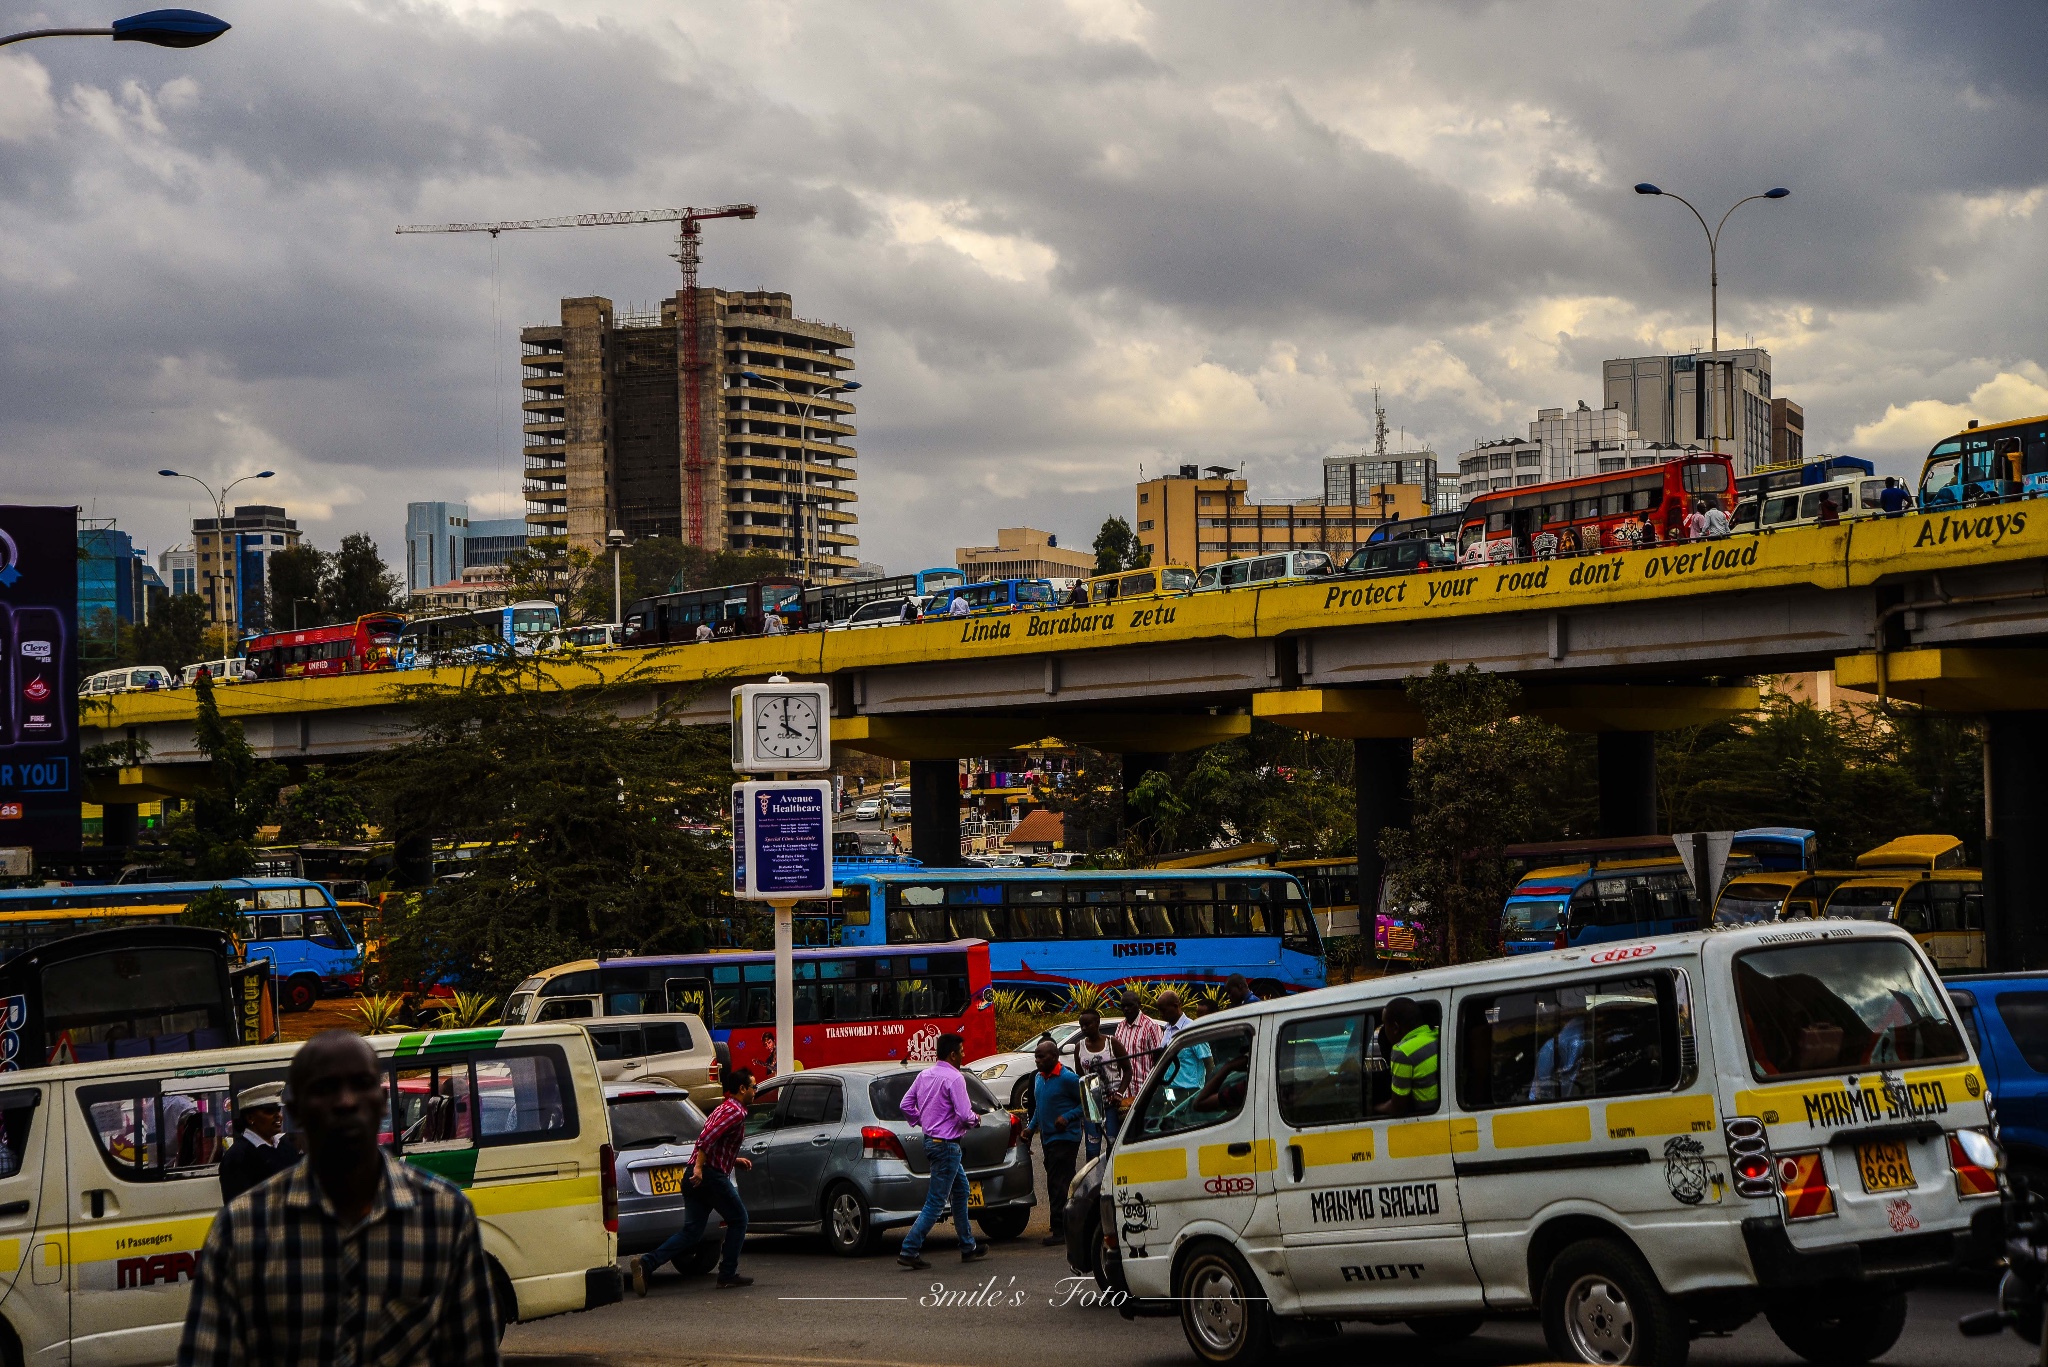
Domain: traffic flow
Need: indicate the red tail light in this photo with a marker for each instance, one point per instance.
(1560, 940)
(712, 1076)
(1016, 1129)
(876, 1142)
(1803, 1179)
(608, 1185)
(1976, 1172)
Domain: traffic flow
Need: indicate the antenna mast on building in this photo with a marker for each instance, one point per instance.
(1379, 430)
(689, 325)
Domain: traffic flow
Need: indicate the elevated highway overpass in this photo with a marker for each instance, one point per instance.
(1947, 610)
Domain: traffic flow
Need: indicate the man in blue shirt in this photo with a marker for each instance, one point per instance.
(1892, 499)
(1056, 1117)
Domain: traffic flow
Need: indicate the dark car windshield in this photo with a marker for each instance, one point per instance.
(641, 1122)
(1750, 902)
(1842, 1006)
(886, 1095)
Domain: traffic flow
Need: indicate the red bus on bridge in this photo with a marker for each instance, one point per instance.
(1616, 510)
(370, 642)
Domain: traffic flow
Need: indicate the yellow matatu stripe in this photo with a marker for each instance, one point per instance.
(1660, 1115)
(1334, 1146)
(1216, 1160)
(1526, 1129)
(10, 1255)
(94, 1244)
(513, 1198)
(1786, 1105)
(1428, 1138)
(1154, 1165)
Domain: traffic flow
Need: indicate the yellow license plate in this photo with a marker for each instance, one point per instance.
(1886, 1165)
(975, 1200)
(667, 1181)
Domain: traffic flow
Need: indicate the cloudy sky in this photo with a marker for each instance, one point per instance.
(1073, 237)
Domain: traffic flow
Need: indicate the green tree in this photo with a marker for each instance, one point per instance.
(299, 588)
(214, 909)
(1476, 789)
(590, 830)
(322, 808)
(359, 581)
(1117, 548)
(174, 636)
(216, 830)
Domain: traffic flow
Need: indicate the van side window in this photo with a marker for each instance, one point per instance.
(148, 1136)
(561, 1009)
(434, 1105)
(1322, 1074)
(1198, 1083)
(2026, 1018)
(668, 1037)
(1608, 1037)
(524, 1097)
(17, 1120)
(615, 1043)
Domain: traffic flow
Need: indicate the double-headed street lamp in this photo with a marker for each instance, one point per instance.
(220, 523)
(805, 501)
(159, 28)
(1713, 244)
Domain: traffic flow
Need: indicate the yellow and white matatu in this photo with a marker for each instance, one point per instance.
(1640, 1141)
(110, 1179)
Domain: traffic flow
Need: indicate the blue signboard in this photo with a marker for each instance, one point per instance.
(39, 779)
(739, 840)
(785, 849)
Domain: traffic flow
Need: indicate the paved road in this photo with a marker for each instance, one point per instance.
(807, 1306)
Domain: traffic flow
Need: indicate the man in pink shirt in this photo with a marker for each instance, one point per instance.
(937, 1103)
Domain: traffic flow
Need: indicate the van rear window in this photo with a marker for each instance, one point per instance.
(1841, 1006)
(2026, 1017)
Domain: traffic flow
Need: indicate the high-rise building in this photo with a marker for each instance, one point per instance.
(1197, 517)
(1562, 444)
(234, 562)
(1716, 400)
(1350, 480)
(608, 399)
(493, 541)
(435, 537)
(1788, 432)
(179, 567)
(109, 575)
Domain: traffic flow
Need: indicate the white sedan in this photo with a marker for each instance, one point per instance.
(1009, 1075)
(869, 810)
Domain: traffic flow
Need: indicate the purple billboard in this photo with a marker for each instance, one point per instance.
(40, 783)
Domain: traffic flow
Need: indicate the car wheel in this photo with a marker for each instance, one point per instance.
(1098, 1256)
(1846, 1329)
(503, 1298)
(1445, 1328)
(1020, 1095)
(301, 994)
(1223, 1309)
(847, 1231)
(704, 1256)
(1602, 1305)
(1003, 1225)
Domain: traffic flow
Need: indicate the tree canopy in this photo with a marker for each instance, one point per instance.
(1117, 548)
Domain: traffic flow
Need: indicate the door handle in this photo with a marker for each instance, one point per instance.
(13, 1208)
(821, 1140)
(761, 1147)
(1298, 1160)
(1239, 1150)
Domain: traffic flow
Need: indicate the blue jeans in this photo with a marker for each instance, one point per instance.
(948, 1184)
(715, 1192)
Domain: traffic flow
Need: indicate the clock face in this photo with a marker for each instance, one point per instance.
(787, 728)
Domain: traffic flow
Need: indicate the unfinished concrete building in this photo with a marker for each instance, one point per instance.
(607, 398)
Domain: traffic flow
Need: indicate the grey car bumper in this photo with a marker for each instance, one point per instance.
(895, 1199)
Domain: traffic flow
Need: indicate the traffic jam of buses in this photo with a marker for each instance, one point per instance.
(1709, 1082)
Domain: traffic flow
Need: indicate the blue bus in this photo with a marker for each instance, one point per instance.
(1586, 904)
(1778, 849)
(289, 922)
(1049, 929)
(993, 596)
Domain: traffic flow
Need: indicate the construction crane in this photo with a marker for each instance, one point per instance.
(689, 237)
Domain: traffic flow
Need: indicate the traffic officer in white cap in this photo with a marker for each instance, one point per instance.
(261, 1150)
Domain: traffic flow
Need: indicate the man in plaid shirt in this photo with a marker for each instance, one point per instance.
(350, 1258)
(711, 1188)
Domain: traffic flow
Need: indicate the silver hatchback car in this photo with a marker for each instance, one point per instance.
(833, 1154)
(654, 1134)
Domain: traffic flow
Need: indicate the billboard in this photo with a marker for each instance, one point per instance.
(40, 783)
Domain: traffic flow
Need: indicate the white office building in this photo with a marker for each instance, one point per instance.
(1713, 400)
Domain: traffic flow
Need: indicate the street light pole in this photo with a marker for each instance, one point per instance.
(1713, 265)
(159, 28)
(220, 519)
(618, 540)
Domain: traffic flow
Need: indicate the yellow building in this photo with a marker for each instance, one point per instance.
(1195, 519)
(1024, 553)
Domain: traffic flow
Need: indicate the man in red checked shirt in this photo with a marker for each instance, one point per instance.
(711, 1188)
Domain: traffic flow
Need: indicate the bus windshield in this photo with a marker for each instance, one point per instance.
(1032, 591)
(775, 597)
(1944, 468)
(1752, 902)
(1864, 903)
(528, 621)
(1536, 914)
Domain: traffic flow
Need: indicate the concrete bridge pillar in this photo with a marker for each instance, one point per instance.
(1628, 783)
(1380, 782)
(2015, 855)
(935, 812)
(119, 823)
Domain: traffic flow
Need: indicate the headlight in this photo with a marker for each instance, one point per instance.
(991, 1074)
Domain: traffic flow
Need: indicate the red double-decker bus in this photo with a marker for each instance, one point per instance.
(1616, 511)
(369, 642)
(854, 1003)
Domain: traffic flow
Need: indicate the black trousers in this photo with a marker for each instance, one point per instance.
(1059, 1172)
